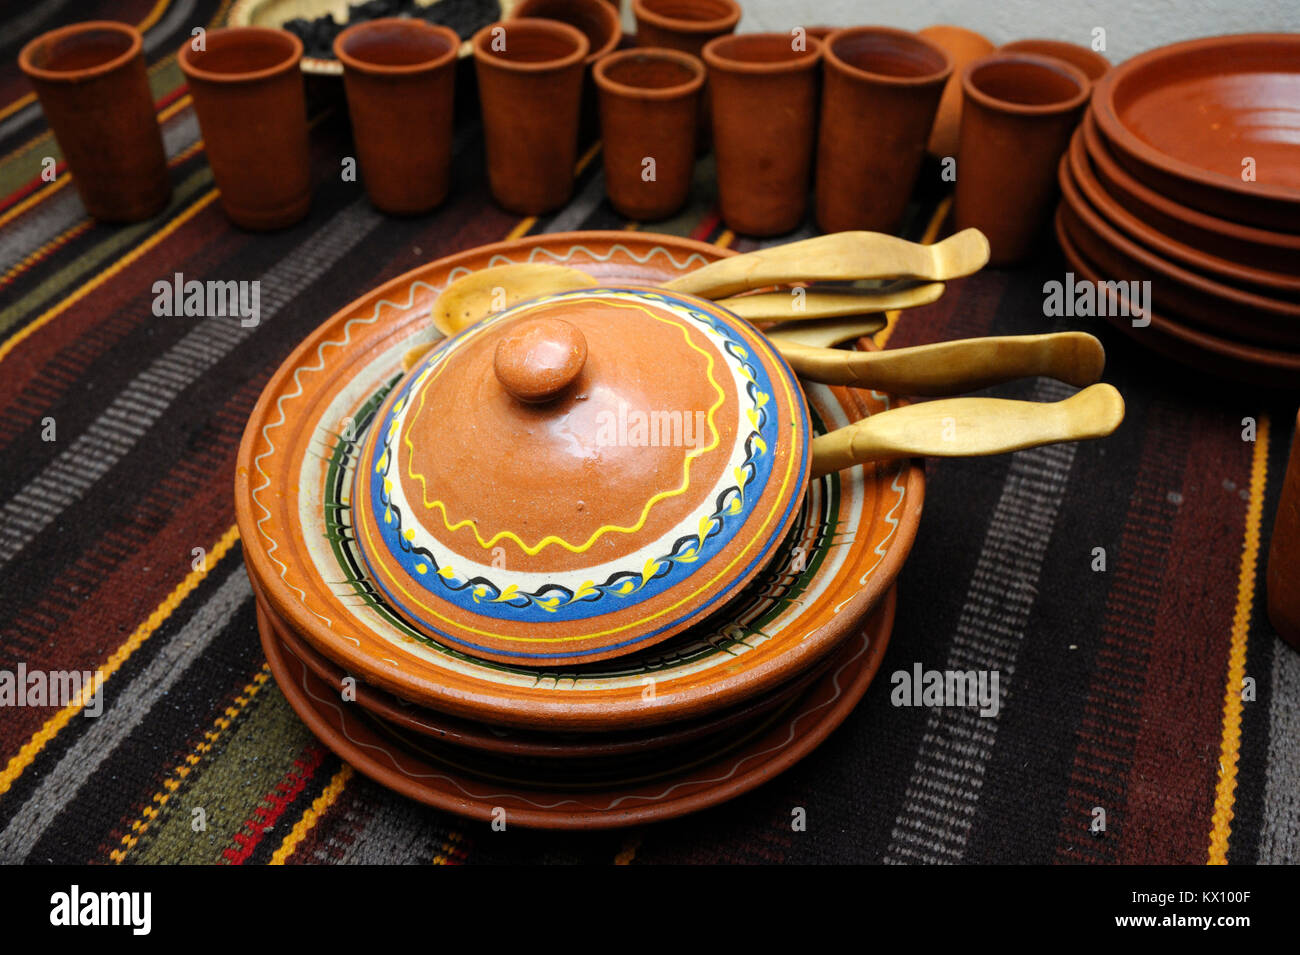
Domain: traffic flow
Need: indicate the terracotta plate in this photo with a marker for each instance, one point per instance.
(682, 783)
(1243, 244)
(1185, 118)
(537, 745)
(1215, 306)
(844, 550)
(1246, 277)
(1218, 356)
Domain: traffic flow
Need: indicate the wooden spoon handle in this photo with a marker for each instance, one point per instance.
(840, 256)
(969, 427)
(826, 332)
(807, 304)
(949, 368)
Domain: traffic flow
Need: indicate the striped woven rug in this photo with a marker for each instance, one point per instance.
(1121, 686)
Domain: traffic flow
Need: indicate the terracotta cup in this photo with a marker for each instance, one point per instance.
(962, 46)
(530, 90)
(649, 100)
(686, 25)
(764, 103)
(1019, 112)
(597, 20)
(399, 76)
(1093, 64)
(880, 90)
(248, 95)
(91, 81)
(1283, 575)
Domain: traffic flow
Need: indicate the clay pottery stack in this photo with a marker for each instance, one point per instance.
(1182, 180)
(91, 81)
(530, 75)
(649, 101)
(248, 94)
(880, 90)
(400, 75)
(763, 93)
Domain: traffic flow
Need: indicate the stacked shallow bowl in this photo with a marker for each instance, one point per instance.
(418, 665)
(1185, 173)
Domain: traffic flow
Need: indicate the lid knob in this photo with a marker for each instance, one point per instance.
(537, 359)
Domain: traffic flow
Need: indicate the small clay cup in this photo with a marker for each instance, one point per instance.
(649, 100)
(686, 25)
(962, 46)
(399, 75)
(880, 90)
(530, 89)
(1283, 574)
(1019, 112)
(91, 81)
(597, 20)
(764, 104)
(1093, 64)
(248, 94)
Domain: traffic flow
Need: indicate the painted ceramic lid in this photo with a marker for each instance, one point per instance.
(581, 476)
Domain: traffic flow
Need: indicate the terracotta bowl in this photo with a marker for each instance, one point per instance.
(1215, 307)
(1184, 118)
(1242, 244)
(295, 470)
(1093, 64)
(1248, 279)
(1199, 350)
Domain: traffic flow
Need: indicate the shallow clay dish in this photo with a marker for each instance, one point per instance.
(276, 13)
(294, 475)
(1242, 244)
(1216, 307)
(1182, 118)
(536, 745)
(1261, 367)
(1230, 273)
(454, 782)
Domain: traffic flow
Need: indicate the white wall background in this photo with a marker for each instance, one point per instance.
(1131, 25)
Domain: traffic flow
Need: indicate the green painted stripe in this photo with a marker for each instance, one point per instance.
(228, 784)
(116, 244)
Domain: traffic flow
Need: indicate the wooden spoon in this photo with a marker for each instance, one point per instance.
(949, 368)
(840, 256)
(969, 427)
(806, 304)
(826, 332)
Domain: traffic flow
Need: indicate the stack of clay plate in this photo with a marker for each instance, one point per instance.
(614, 732)
(1185, 173)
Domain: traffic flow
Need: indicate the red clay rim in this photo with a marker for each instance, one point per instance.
(413, 26)
(721, 24)
(1132, 226)
(1273, 360)
(1076, 54)
(881, 624)
(1060, 67)
(1082, 207)
(715, 55)
(1119, 136)
(195, 72)
(76, 29)
(538, 26)
(902, 38)
(601, 73)
(1099, 153)
(613, 22)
